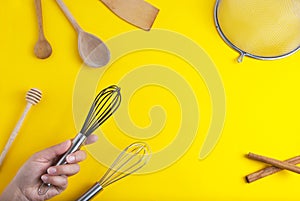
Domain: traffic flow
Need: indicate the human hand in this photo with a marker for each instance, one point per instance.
(39, 168)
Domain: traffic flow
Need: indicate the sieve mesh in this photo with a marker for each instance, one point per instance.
(260, 28)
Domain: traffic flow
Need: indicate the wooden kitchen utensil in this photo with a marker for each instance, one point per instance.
(42, 48)
(33, 97)
(136, 12)
(92, 50)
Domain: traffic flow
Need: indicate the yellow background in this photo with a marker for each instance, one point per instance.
(261, 104)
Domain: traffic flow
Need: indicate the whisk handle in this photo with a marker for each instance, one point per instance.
(76, 144)
(94, 190)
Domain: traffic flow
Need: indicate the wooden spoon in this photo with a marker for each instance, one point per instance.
(42, 48)
(92, 50)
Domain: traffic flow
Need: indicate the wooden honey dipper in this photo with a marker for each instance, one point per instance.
(33, 96)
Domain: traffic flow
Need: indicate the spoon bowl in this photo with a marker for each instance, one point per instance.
(92, 50)
(42, 49)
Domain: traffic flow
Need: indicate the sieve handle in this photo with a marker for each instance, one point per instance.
(94, 190)
(241, 57)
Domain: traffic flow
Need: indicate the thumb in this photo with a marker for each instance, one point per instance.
(53, 152)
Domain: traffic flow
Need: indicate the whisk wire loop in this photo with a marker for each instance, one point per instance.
(108, 111)
(104, 105)
(131, 159)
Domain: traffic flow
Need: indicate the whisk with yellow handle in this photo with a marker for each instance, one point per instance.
(105, 104)
(130, 160)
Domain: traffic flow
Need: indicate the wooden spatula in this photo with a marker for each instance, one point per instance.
(136, 12)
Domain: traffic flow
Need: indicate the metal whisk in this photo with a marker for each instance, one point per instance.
(131, 159)
(105, 104)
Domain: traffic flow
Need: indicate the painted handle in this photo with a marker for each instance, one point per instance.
(14, 133)
(94, 190)
(69, 15)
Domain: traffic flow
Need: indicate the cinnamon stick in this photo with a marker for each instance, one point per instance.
(275, 162)
(270, 170)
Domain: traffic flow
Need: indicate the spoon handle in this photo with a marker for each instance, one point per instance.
(69, 15)
(38, 8)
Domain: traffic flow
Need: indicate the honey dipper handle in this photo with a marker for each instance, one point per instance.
(14, 133)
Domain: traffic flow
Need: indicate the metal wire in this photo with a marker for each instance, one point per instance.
(131, 159)
(265, 30)
(104, 105)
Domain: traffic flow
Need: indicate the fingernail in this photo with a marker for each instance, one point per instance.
(71, 158)
(44, 178)
(51, 170)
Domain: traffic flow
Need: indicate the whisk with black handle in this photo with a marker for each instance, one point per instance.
(105, 104)
(131, 159)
